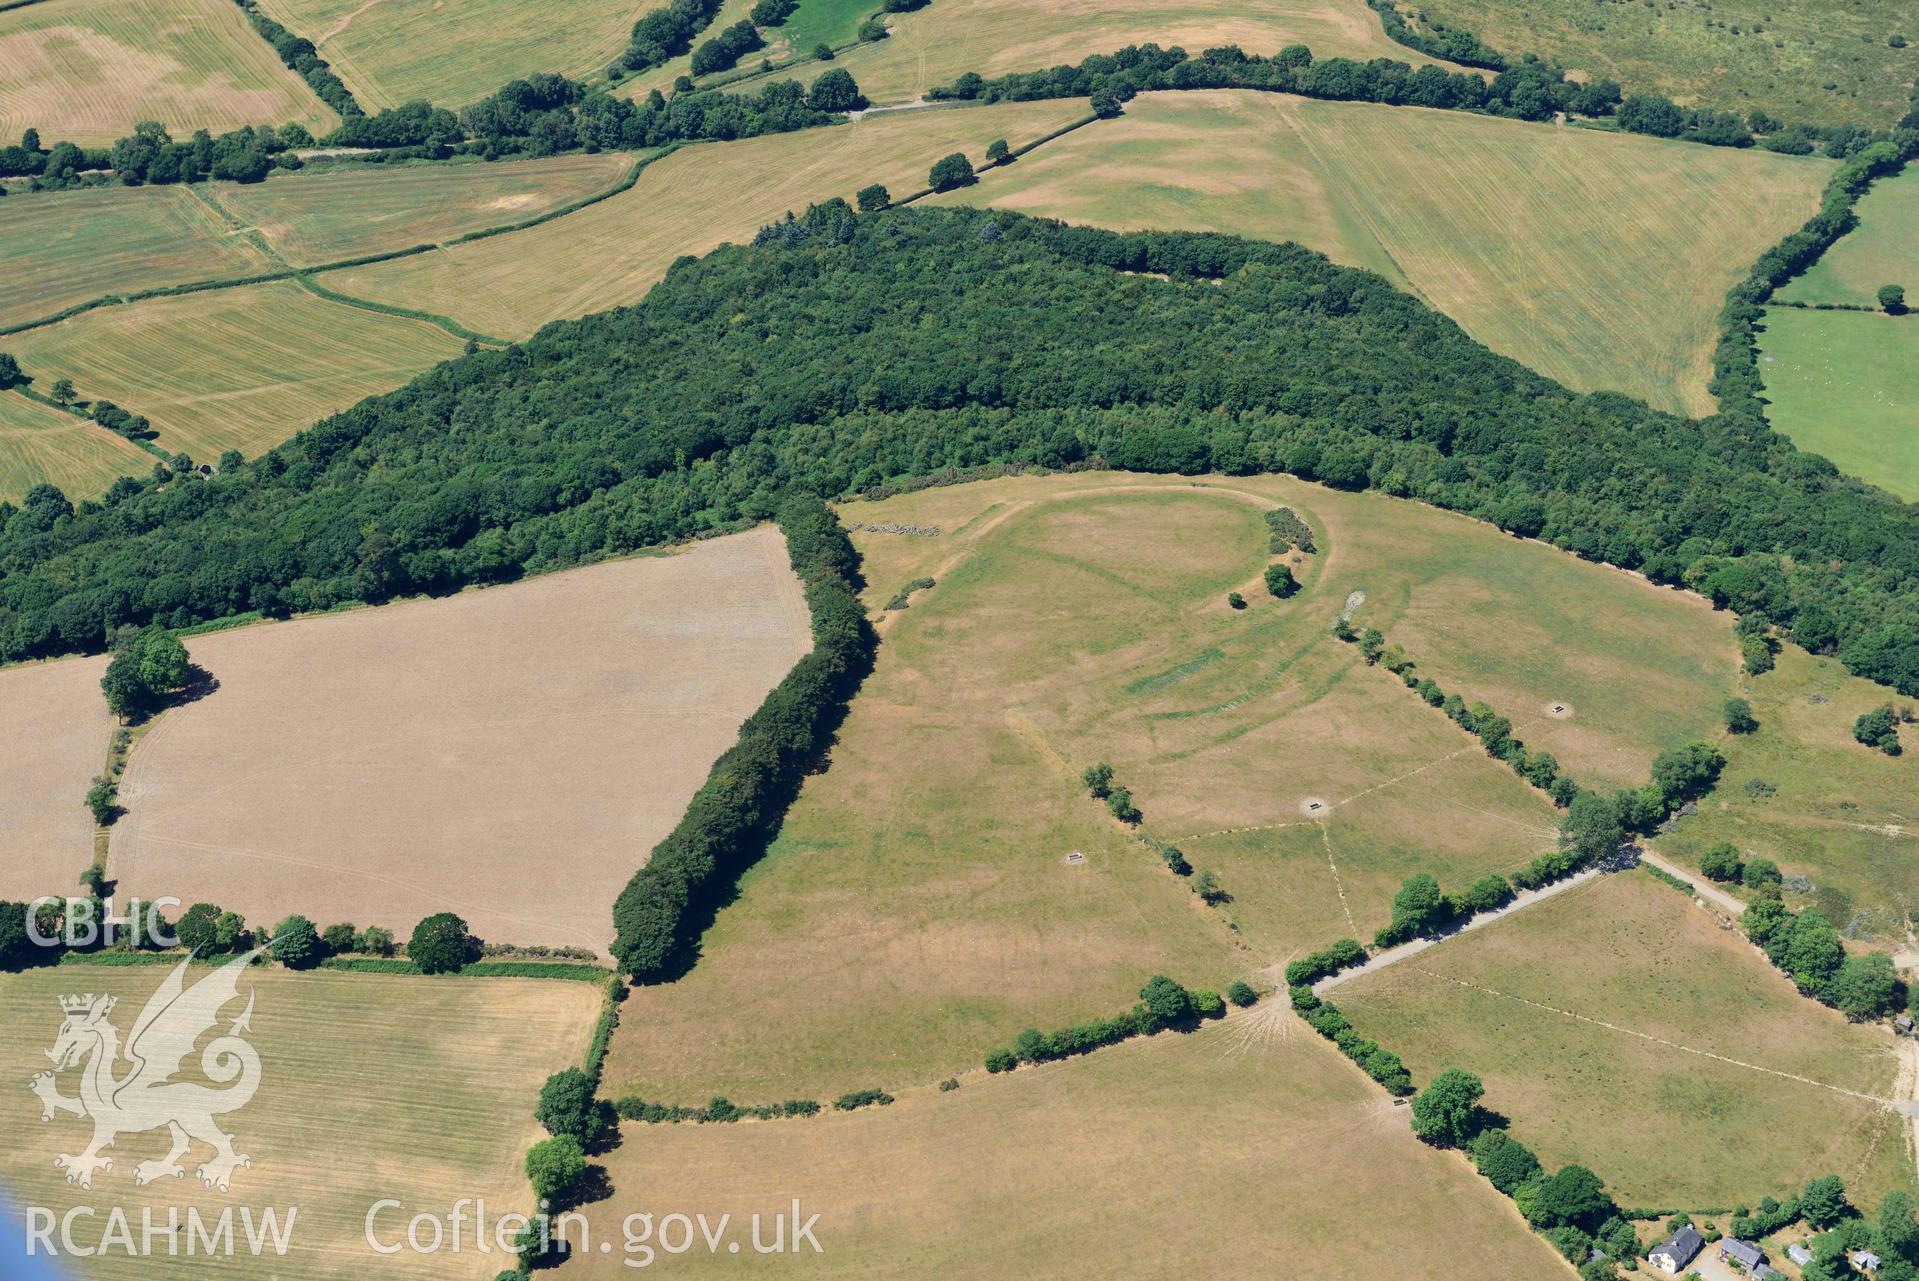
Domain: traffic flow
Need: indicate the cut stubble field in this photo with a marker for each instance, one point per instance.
(390, 52)
(1846, 384)
(1248, 1148)
(42, 445)
(510, 754)
(611, 253)
(1622, 1027)
(918, 906)
(1489, 221)
(372, 1087)
(232, 368)
(938, 43)
(87, 72)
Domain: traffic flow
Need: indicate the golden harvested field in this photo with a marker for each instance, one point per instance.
(395, 51)
(39, 444)
(1620, 1026)
(610, 254)
(60, 249)
(508, 754)
(937, 44)
(1801, 792)
(917, 908)
(234, 368)
(1248, 1148)
(58, 730)
(87, 71)
(371, 1087)
(324, 215)
(1490, 221)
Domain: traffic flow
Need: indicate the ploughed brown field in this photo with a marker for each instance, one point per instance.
(509, 754)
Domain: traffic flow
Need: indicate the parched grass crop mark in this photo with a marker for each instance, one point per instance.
(1326, 839)
(1890, 1105)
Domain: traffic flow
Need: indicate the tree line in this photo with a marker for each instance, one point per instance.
(1527, 90)
(542, 114)
(657, 917)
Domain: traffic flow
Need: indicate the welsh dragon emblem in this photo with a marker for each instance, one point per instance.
(145, 1096)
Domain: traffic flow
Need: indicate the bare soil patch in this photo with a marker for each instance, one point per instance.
(509, 754)
(57, 730)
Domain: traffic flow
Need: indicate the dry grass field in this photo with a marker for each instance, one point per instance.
(395, 51)
(57, 250)
(1621, 1027)
(937, 44)
(1490, 221)
(610, 254)
(1882, 250)
(372, 1087)
(509, 754)
(1249, 1148)
(1846, 384)
(234, 368)
(324, 215)
(87, 71)
(58, 730)
(1802, 793)
(912, 915)
(39, 444)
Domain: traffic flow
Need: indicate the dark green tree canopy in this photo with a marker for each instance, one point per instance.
(654, 421)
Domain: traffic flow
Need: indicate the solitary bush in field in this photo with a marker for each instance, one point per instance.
(1241, 993)
(1235, 600)
(997, 152)
(1280, 581)
(949, 172)
(1120, 802)
(440, 944)
(1098, 779)
(1879, 728)
(1893, 299)
(1739, 717)
(1721, 863)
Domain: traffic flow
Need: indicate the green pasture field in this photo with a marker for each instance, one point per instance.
(372, 1087)
(327, 214)
(87, 71)
(397, 51)
(1846, 384)
(1801, 792)
(1622, 1027)
(1801, 60)
(611, 253)
(233, 368)
(919, 907)
(1247, 1148)
(41, 445)
(1490, 221)
(62, 248)
(1882, 250)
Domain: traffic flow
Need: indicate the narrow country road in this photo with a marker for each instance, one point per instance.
(1702, 887)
